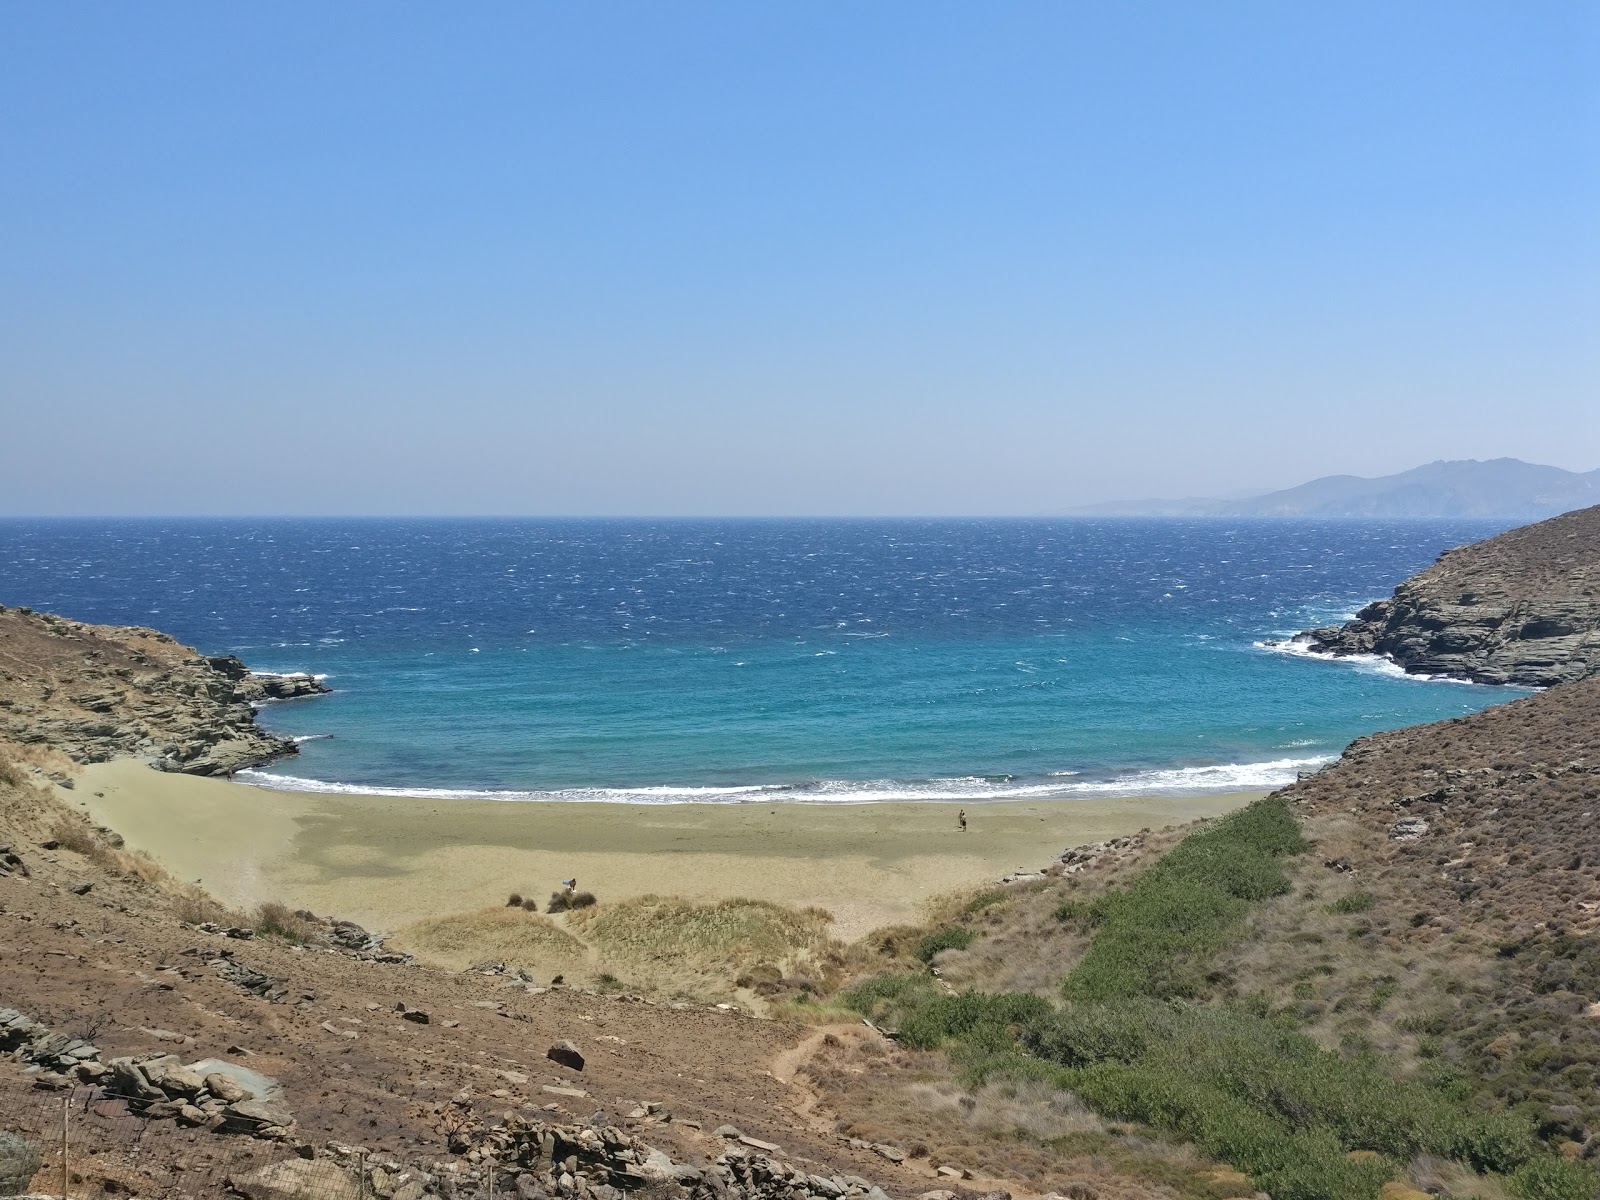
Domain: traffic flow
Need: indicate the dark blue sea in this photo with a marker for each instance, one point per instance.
(657, 660)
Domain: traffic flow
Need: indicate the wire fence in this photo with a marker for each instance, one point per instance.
(93, 1142)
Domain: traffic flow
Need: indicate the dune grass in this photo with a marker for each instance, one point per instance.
(276, 919)
(561, 902)
(681, 948)
(657, 945)
(510, 935)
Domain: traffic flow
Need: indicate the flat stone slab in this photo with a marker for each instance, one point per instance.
(262, 1087)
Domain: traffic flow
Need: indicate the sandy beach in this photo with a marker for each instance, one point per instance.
(386, 861)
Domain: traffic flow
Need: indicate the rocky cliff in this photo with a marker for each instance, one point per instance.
(1523, 607)
(93, 692)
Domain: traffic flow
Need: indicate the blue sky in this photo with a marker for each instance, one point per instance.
(786, 258)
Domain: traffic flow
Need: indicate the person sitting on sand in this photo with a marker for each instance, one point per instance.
(961, 820)
(570, 884)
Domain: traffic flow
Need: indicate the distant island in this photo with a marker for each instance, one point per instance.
(1498, 488)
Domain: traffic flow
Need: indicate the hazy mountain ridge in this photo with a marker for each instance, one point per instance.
(1464, 488)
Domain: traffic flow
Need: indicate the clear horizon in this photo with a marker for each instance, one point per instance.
(728, 262)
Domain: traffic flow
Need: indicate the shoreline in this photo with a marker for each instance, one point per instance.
(1175, 782)
(386, 861)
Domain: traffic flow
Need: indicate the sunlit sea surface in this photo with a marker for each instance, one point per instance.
(826, 660)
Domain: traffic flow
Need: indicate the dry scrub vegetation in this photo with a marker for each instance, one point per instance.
(1029, 1131)
(1306, 991)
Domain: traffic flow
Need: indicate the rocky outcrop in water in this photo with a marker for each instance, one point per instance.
(259, 687)
(95, 692)
(1523, 607)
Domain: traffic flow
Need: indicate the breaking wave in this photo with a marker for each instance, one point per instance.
(1299, 646)
(971, 789)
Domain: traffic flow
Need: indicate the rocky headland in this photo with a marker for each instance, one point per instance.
(94, 692)
(1520, 608)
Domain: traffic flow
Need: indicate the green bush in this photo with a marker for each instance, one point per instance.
(977, 1020)
(1428, 1022)
(952, 938)
(1554, 1179)
(890, 996)
(925, 1018)
(1493, 1141)
(1355, 902)
(1253, 1092)
(1383, 991)
(1084, 1035)
(1073, 910)
(1245, 1089)
(1155, 936)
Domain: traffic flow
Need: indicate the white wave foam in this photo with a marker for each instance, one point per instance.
(1299, 646)
(643, 795)
(1221, 777)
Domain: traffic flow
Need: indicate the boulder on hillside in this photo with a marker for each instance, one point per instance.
(299, 1179)
(565, 1053)
(19, 1159)
(257, 1116)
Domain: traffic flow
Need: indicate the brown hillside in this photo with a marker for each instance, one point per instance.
(1446, 918)
(102, 953)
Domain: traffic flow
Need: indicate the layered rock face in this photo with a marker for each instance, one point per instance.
(94, 692)
(256, 687)
(1523, 607)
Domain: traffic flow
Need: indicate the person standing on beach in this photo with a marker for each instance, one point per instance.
(961, 820)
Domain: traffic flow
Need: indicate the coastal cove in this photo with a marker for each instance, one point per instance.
(830, 660)
(778, 602)
(389, 861)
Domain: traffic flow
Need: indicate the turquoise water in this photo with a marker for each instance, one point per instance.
(809, 660)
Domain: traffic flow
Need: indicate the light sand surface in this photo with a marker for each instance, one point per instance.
(386, 861)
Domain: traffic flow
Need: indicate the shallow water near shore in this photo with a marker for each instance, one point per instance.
(761, 661)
